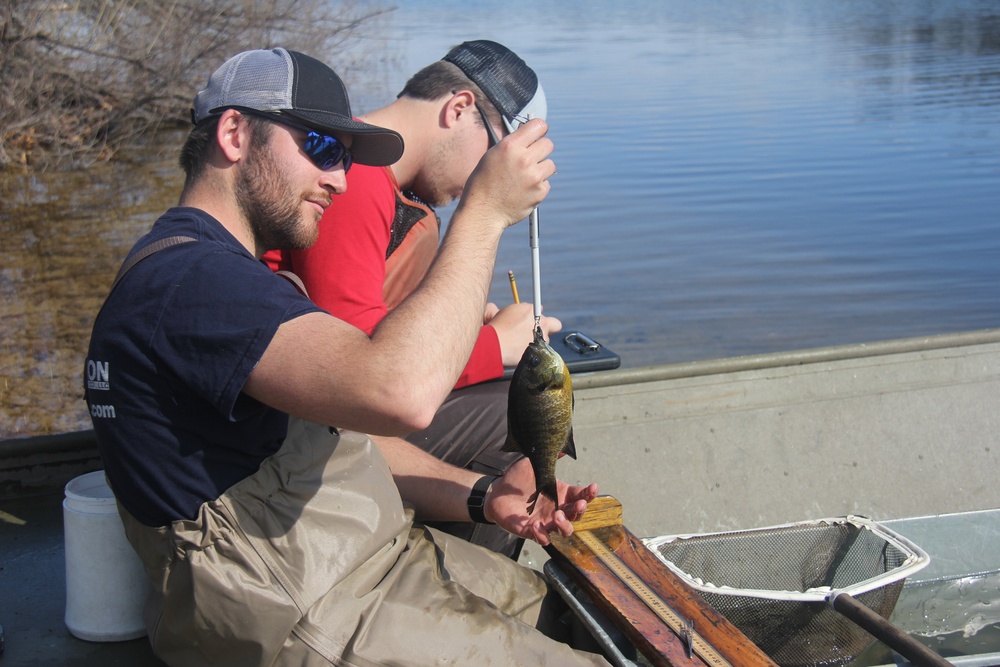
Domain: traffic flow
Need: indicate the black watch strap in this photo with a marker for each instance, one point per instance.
(477, 499)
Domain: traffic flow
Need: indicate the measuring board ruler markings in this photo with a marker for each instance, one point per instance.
(681, 628)
(660, 614)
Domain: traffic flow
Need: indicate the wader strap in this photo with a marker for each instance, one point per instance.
(295, 280)
(146, 251)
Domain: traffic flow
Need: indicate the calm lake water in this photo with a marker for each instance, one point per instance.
(733, 178)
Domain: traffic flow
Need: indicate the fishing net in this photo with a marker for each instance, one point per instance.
(773, 583)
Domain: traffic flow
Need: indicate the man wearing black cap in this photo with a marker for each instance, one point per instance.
(377, 244)
(270, 537)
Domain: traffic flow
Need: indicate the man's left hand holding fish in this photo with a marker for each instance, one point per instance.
(420, 478)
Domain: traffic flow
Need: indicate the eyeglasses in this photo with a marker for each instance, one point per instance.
(323, 150)
(494, 139)
(326, 151)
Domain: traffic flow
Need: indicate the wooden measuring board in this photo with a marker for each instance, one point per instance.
(667, 621)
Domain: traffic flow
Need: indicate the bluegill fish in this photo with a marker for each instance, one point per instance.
(540, 414)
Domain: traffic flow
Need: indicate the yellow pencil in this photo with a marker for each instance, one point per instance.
(513, 287)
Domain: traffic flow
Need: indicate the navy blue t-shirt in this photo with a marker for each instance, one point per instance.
(169, 355)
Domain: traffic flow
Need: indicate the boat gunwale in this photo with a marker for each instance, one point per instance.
(625, 376)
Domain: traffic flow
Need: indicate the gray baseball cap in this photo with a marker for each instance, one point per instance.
(504, 78)
(288, 83)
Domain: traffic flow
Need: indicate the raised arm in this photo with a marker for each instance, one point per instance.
(322, 369)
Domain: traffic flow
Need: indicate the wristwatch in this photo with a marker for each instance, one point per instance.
(477, 499)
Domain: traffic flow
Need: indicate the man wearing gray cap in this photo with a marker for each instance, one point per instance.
(377, 244)
(271, 537)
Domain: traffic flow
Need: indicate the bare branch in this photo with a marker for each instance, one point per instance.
(79, 80)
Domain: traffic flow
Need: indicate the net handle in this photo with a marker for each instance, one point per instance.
(886, 632)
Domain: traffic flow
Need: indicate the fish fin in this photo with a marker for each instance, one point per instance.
(510, 445)
(532, 499)
(569, 449)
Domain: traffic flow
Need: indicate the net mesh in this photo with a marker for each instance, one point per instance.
(762, 581)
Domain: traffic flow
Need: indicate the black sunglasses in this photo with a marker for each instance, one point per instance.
(494, 139)
(323, 150)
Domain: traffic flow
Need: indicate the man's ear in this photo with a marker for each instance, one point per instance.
(232, 135)
(460, 103)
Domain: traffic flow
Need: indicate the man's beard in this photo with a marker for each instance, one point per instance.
(431, 189)
(270, 207)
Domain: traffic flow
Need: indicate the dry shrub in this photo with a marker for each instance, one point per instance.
(79, 80)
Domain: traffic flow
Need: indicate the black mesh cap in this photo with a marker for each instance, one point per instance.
(503, 77)
(295, 85)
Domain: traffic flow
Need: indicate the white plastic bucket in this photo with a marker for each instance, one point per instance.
(106, 586)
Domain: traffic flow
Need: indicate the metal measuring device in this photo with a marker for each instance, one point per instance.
(536, 278)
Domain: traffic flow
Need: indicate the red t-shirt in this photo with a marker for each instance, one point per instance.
(345, 271)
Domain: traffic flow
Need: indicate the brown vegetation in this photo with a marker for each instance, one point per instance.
(79, 80)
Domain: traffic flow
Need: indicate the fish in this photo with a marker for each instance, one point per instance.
(540, 414)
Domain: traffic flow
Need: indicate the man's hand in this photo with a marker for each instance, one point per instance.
(507, 504)
(515, 325)
(512, 178)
